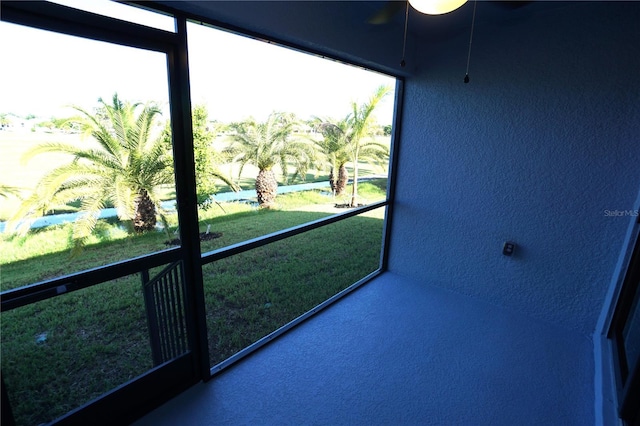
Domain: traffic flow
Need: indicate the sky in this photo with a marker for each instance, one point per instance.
(43, 73)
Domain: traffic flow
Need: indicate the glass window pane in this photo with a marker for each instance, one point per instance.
(252, 294)
(631, 335)
(277, 125)
(60, 353)
(71, 175)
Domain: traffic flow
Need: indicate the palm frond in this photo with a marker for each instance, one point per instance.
(6, 191)
(218, 174)
(124, 162)
(93, 126)
(83, 226)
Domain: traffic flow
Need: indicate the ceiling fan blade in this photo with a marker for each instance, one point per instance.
(387, 12)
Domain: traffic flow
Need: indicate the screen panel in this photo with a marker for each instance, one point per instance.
(252, 294)
(278, 129)
(60, 353)
(82, 184)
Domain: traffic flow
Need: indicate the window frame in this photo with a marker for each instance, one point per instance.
(627, 374)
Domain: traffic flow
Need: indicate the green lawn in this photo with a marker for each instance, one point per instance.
(62, 352)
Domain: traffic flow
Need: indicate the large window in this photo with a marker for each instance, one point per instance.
(251, 295)
(280, 130)
(311, 127)
(143, 247)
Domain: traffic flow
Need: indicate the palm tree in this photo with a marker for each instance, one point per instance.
(361, 124)
(266, 145)
(126, 167)
(207, 159)
(333, 145)
(351, 140)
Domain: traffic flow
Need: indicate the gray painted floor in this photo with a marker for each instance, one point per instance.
(397, 352)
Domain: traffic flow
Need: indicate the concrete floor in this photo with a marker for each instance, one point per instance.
(397, 352)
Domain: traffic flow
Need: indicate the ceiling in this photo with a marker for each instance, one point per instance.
(361, 15)
(349, 30)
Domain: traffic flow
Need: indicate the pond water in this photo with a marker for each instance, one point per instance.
(248, 195)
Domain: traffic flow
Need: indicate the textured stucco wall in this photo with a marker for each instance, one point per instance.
(534, 149)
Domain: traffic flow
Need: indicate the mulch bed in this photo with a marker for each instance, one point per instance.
(347, 206)
(203, 237)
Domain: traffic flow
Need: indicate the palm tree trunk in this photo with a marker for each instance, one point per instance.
(145, 214)
(354, 185)
(332, 182)
(343, 178)
(266, 188)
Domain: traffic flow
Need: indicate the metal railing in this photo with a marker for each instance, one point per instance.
(15, 298)
(164, 298)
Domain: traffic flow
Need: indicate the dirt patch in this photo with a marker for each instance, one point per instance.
(204, 236)
(347, 206)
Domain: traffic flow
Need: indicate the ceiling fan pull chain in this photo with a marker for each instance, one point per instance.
(404, 40)
(473, 20)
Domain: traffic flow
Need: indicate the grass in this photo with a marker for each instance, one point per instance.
(16, 173)
(252, 294)
(62, 352)
(51, 245)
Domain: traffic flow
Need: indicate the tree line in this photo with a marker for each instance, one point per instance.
(132, 161)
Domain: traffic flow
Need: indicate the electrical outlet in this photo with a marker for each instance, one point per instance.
(508, 248)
